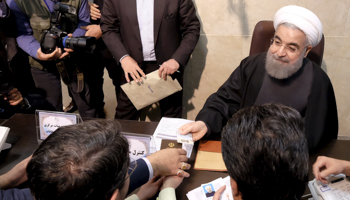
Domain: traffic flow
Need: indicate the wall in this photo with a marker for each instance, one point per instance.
(225, 38)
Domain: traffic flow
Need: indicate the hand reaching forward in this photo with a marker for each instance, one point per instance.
(169, 162)
(198, 129)
(325, 166)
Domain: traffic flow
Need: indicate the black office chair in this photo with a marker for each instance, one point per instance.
(264, 31)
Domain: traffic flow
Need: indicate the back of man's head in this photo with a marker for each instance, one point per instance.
(265, 152)
(84, 161)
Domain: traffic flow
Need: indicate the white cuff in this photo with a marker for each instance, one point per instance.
(120, 60)
(150, 168)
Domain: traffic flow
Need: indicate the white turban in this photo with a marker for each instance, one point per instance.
(303, 18)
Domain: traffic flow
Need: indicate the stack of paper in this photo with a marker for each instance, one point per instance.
(3, 136)
(207, 191)
(168, 129)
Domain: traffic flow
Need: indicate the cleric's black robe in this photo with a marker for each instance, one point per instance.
(243, 86)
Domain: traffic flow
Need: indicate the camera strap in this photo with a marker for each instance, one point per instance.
(80, 80)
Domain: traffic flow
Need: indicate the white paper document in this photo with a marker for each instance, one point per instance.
(206, 191)
(3, 136)
(168, 129)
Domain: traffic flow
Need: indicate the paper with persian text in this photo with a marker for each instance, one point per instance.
(167, 129)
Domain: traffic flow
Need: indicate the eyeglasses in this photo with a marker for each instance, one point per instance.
(289, 49)
(132, 167)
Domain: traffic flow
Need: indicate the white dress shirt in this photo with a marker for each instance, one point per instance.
(145, 17)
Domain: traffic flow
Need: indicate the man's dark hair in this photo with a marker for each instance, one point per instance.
(84, 161)
(265, 152)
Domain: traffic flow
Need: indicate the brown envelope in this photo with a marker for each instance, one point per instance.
(209, 156)
(152, 90)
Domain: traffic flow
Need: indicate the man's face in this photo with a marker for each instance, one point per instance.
(286, 53)
(208, 188)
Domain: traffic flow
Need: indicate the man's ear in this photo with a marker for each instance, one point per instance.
(235, 191)
(115, 194)
(308, 49)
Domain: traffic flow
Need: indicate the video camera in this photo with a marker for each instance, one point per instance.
(56, 37)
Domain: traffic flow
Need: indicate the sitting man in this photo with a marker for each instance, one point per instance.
(91, 161)
(265, 153)
(282, 75)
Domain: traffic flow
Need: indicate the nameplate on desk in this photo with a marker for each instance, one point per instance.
(47, 122)
(139, 145)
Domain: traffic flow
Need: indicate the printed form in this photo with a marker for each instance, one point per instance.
(168, 129)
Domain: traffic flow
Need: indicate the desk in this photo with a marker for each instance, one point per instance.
(23, 138)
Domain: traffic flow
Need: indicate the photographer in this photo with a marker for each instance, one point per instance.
(33, 19)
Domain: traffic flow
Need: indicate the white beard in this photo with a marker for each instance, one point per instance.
(279, 70)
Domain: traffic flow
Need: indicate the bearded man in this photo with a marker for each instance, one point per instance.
(282, 75)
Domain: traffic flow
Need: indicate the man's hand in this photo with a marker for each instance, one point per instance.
(16, 176)
(67, 50)
(92, 31)
(168, 162)
(48, 57)
(325, 166)
(167, 68)
(172, 181)
(198, 129)
(149, 189)
(14, 97)
(217, 194)
(131, 67)
(95, 13)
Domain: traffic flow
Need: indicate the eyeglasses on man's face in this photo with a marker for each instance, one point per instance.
(132, 167)
(276, 43)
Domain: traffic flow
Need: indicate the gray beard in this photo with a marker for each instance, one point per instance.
(279, 71)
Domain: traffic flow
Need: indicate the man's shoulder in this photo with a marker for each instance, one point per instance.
(16, 194)
(319, 74)
(252, 62)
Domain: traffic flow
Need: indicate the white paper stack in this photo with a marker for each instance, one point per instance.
(3, 136)
(206, 191)
(168, 129)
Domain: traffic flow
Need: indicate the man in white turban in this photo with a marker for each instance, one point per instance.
(282, 75)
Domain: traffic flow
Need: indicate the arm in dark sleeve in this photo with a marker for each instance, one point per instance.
(220, 106)
(321, 118)
(4, 10)
(84, 19)
(139, 177)
(190, 29)
(16, 194)
(25, 39)
(110, 27)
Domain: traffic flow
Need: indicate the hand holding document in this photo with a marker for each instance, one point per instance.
(167, 129)
(207, 191)
(151, 90)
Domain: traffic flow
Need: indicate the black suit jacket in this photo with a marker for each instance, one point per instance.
(140, 175)
(176, 29)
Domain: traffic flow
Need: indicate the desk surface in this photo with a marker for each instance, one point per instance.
(22, 136)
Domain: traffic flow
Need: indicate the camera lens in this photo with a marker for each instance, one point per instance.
(84, 43)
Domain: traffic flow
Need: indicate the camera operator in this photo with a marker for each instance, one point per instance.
(102, 57)
(33, 19)
(11, 55)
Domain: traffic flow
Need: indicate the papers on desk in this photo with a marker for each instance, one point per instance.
(168, 129)
(206, 191)
(3, 136)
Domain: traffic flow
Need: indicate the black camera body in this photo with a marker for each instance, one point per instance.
(55, 37)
